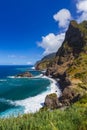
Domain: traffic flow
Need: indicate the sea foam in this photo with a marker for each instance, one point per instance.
(38, 76)
(33, 104)
(54, 86)
(6, 101)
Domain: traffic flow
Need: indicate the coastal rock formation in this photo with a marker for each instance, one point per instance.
(51, 101)
(25, 74)
(69, 96)
(70, 63)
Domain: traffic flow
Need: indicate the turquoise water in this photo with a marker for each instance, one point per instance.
(19, 89)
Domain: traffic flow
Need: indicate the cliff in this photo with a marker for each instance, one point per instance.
(70, 63)
(74, 45)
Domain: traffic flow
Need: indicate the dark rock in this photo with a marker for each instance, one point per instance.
(76, 98)
(64, 82)
(67, 97)
(74, 37)
(51, 101)
(25, 74)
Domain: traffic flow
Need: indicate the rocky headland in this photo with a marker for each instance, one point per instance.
(69, 66)
(44, 62)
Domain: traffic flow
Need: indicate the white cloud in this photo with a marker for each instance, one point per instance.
(51, 42)
(82, 10)
(82, 5)
(82, 17)
(63, 17)
(29, 63)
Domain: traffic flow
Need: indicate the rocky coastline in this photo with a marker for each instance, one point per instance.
(69, 66)
(65, 98)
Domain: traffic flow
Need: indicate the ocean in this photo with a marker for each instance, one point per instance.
(21, 95)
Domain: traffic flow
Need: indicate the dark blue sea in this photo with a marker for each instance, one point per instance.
(21, 95)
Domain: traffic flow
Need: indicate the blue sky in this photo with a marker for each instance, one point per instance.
(30, 29)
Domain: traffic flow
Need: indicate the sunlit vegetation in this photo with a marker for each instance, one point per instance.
(73, 118)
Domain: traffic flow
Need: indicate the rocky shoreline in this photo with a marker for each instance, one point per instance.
(59, 99)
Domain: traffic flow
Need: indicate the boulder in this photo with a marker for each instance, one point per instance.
(68, 96)
(51, 101)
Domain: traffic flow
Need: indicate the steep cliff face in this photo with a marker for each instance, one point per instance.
(71, 64)
(74, 45)
(74, 41)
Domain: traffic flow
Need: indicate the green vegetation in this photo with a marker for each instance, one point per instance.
(78, 70)
(73, 118)
(53, 95)
(45, 61)
(43, 65)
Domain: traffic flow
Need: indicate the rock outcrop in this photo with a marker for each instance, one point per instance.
(25, 74)
(51, 101)
(68, 97)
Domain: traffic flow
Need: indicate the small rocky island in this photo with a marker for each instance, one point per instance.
(25, 74)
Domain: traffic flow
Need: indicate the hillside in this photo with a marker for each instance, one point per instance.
(74, 118)
(44, 62)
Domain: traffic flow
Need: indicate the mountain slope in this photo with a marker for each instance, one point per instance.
(44, 62)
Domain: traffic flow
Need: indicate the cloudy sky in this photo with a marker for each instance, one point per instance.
(30, 29)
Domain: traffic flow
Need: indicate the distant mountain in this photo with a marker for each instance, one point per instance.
(48, 57)
(44, 62)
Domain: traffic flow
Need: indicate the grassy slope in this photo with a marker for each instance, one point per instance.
(73, 118)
